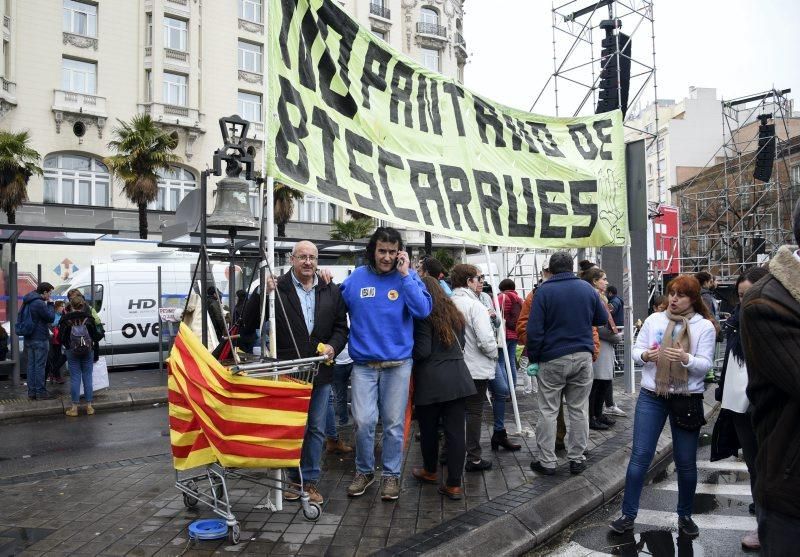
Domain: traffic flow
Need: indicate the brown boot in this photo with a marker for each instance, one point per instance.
(500, 439)
(424, 476)
(451, 492)
(337, 446)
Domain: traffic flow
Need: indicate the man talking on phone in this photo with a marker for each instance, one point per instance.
(383, 299)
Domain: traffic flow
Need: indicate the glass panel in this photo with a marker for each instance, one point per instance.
(75, 162)
(99, 166)
(160, 200)
(101, 194)
(174, 198)
(84, 192)
(67, 193)
(51, 161)
(50, 189)
(429, 16)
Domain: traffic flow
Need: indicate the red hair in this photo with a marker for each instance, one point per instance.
(689, 286)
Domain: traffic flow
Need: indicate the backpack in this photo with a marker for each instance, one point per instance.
(80, 341)
(24, 325)
(512, 315)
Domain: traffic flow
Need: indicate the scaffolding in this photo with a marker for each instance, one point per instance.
(729, 220)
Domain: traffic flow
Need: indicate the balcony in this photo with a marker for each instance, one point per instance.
(377, 9)
(252, 26)
(148, 51)
(7, 22)
(432, 29)
(178, 55)
(8, 96)
(181, 2)
(172, 115)
(80, 41)
(251, 77)
(461, 46)
(71, 107)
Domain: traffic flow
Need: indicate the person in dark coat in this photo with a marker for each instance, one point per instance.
(442, 384)
(37, 343)
(215, 312)
(315, 313)
(770, 318)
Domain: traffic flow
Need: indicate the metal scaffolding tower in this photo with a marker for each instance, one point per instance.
(731, 221)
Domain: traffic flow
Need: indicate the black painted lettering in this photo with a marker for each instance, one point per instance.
(143, 330)
(359, 144)
(390, 160)
(456, 93)
(427, 193)
(329, 185)
(288, 8)
(428, 105)
(605, 139)
(458, 198)
(128, 330)
(308, 34)
(489, 202)
(347, 29)
(515, 229)
(401, 73)
(549, 145)
(576, 131)
(486, 116)
(576, 188)
(371, 77)
(289, 134)
(550, 208)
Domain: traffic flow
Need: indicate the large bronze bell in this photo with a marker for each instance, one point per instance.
(232, 211)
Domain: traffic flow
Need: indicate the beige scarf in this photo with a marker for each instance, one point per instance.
(674, 374)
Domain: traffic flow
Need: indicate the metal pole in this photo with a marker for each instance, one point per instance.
(12, 317)
(509, 375)
(38, 274)
(232, 280)
(91, 286)
(627, 277)
(273, 346)
(203, 268)
(160, 327)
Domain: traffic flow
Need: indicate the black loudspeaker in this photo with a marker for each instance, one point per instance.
(766, 151)
(614, 85)
(759, 246)
(79, 129)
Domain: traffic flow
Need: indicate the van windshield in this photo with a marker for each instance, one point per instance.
(60, 293)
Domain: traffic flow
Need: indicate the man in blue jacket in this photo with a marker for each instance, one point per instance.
(383, 298)
(560, 340)
(37, 343)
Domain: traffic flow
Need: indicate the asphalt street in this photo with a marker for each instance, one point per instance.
(53, 443)
(720, 510)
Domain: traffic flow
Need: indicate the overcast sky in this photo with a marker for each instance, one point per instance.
(739, 47)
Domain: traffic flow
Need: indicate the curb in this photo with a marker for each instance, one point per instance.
(145, 396)
(535, 522)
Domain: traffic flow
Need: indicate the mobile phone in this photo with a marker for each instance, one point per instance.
(397, 263)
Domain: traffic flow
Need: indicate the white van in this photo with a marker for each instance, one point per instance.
(126, 291)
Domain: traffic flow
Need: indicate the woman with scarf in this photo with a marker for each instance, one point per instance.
(676, 348)
(735, 405)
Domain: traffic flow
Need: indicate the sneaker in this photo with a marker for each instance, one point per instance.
(293, 495)
(594, 424)
(687, 527)
(622, 524)
(537, 466)
(73, 411)
(89, 409)
(576, 467)
(313, 494)
(478, 466)
(360, 484)
(752, 508)
(603, 419)
(390, 488)
(750, 541)
(337, 446)
(616, 411)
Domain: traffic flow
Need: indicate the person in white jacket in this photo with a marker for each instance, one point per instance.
(480, 355)
(676, 348)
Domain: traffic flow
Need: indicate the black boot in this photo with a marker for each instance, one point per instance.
(500, 439)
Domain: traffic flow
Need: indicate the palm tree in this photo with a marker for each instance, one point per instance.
(18, 162)
(283, 202)
(143, 149)
(353, 229)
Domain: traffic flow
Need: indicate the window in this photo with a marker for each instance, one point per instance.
(251, 10)
(250, 57)
(80, 18)
(430, 59)
(78, 76)
(252, 200)
(76, 180)
(173, 185)
(314, 209)
(429, 15)
(250, 106)
(795, 175)
(174, 89)
(175, 33)
(148, 86)
(148, 37)
(380, 34)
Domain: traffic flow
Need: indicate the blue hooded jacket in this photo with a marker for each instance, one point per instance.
(43, 313)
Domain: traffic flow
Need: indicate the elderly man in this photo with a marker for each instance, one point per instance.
(383, 297)
(770, 331)
(314, 313)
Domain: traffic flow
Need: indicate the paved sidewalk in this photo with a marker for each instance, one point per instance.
(131, 507)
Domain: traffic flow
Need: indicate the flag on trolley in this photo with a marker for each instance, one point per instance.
(237, 421)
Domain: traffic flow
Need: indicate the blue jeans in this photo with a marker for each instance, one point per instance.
(80, 369)
(314, 438)
(511, 345)
(37, 360)
(384, 391)
(341, 377)
(651, 414)
(499, 389)
(330, 420)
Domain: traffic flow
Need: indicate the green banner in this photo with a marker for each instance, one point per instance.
(365, 127)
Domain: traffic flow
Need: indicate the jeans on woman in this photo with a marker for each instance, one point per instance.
(511, 345)
(451, 415)
(341, 378)
(651, 414)
(330, 420)
(499, 389)
(80, 369)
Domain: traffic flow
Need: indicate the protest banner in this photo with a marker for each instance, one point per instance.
(365, 127)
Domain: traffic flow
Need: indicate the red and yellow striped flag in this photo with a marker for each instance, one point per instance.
(240, 422)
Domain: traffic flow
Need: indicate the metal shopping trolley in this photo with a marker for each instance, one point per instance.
(212, 440)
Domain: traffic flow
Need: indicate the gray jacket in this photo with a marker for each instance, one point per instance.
(480, 346)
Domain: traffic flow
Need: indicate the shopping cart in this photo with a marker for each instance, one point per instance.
(226, 420)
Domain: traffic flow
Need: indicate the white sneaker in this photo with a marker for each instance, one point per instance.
(615, 411)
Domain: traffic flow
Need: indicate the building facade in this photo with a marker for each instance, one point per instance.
(70, 69)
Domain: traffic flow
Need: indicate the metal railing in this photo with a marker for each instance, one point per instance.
(181, 2)
(8, 86)
(378, 9)
(72, 101)
(7, 22)
(431, 29)
(176, 54)
(460, 40)
(148, 51)
(176, 110)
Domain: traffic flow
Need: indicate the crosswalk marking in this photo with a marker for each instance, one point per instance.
(723, 465)
(704, 521)
(733, 490)
(573, 549)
